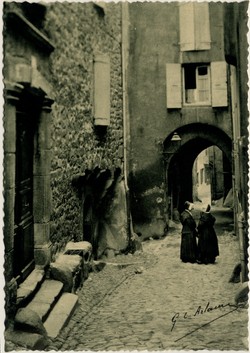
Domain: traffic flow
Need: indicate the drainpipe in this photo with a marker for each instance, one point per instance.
(238, 213)
(126, 137)
(241, 226)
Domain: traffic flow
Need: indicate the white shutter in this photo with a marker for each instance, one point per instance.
(194, 26)
(202, 26)
(173, 85)
(102, 89)
(186, 19)
(219, 83)
(203, 85)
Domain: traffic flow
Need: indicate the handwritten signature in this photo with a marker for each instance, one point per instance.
(198, 312)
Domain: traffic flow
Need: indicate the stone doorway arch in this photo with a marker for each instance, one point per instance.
(179, 161)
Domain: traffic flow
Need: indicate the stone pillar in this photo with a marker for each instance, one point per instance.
(42, 189)
(12, 93)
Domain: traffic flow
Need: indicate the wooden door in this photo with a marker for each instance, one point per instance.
(24, 225)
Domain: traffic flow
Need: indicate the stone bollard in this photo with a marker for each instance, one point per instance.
(84, 249)
(68, 270)
(241, 296)
(235, 277)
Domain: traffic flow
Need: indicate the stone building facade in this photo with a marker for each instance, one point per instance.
(98, 92)
(87, 123)
(27, 146)
(63, 134)
(179, 104)
(208, 179)
(236, 54)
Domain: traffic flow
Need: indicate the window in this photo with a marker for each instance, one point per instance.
(207, 175)
(196, 84)
(194, 26)
(196, 88)
(202, 176)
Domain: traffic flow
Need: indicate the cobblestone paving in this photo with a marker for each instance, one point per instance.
(132, 308)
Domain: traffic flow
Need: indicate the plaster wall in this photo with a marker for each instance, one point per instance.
(154, 42)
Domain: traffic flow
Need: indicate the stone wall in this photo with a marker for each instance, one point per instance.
(79, 31)
(27, 147)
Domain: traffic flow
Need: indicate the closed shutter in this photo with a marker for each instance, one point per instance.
(102, 89)
(186, 18)
(194, 26)
(219, 83)
(202, 26)
(173, 85)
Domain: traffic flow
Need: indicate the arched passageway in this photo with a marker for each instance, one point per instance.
(180, 157)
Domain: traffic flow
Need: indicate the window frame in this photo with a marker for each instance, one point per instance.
(196, 102)
(219, 85)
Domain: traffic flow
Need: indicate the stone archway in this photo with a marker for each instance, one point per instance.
(179, 162)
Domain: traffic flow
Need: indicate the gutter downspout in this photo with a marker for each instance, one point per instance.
(241, 228)
(238, 213)
(126, 138)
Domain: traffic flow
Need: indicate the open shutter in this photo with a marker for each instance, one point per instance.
(102, 89)
(186, 18)
(219, 83)
(173, 85)
(202, 26)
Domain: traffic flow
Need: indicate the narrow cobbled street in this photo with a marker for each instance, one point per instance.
(153, 301)
(118, 116)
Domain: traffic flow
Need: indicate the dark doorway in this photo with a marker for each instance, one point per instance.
(88, 220)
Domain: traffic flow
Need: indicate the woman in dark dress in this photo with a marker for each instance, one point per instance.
(188, 235)
(208, 243)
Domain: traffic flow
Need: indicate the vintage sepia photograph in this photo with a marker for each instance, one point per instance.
(125, 175)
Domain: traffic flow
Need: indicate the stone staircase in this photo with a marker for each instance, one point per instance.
(60, 314)
(46, 301)
(53, 306)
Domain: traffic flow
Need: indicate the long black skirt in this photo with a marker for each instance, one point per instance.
(188, 247)
(208, 247)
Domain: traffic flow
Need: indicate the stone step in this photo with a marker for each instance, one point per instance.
(60, 314)
(27, 340)
(46, 298)
(29, 287)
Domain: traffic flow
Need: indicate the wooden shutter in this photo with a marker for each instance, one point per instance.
(203, 84)
(202, 26)
(219, 83)
(234, 101)
(102, 89)
(194, 26)
(173, 85)
(186, 18)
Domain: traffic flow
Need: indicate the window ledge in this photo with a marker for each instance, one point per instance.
(186, 105)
